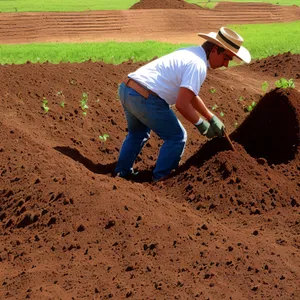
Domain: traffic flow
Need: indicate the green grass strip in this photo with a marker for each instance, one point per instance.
(262, 40)
(212, 4)
(65, 5)
(71, 5)
(109, 52)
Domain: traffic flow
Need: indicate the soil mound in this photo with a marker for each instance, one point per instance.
(224, 225)
(164, 4)
(260, 134)
(272, 66)
(254, 178)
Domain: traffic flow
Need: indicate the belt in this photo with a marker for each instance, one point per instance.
(138, 88)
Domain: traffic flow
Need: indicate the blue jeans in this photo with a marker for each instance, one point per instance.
(144, 115)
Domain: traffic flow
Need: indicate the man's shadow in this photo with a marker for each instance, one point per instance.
(206, 151)
(107, 169)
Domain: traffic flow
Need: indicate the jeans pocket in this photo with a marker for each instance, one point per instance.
(161, 105)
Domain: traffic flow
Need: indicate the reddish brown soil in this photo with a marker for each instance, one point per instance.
(225, 225)
(169, 25)
(166, 4)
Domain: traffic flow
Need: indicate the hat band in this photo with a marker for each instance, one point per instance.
(228, 41)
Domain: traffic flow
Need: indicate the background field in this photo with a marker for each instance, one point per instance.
(259, 39)
(211, 4)
(69, 5)
(66, 5)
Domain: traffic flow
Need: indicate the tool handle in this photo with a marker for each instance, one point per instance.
(229, 140)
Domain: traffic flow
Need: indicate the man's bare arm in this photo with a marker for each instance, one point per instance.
(190, 105)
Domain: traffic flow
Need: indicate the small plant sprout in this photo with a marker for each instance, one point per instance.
(284, 83)
(215, 106)
(241, 98)
(264, 86)
(83, 103)
(212, 90)
(104, 137)
(236, 124)
(251, 106)
(45, 105)
(222, 114)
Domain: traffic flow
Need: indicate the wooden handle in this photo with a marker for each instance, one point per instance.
(229, 140)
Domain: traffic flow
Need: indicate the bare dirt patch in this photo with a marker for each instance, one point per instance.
(68, 229)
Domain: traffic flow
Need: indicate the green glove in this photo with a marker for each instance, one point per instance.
(206, 130)
(217, 126)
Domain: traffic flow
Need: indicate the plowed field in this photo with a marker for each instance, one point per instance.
(225, 225)
(169, 25)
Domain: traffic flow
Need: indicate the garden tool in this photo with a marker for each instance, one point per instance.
(229, 140)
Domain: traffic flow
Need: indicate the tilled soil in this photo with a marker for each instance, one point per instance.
(167, 4)
(152, 21)
(225, 225)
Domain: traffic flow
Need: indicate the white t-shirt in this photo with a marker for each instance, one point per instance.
(182, 68)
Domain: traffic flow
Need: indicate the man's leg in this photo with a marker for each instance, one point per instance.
(138, 133)
(161, 119)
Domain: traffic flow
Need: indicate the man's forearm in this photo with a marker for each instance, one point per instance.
(201, 108)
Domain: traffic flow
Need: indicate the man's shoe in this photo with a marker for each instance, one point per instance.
(130, 176)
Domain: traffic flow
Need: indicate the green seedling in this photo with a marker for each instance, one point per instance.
(45, 105)
(104, 137)
(264, 86)
(251, 106)
(284, 83)
(83, 103)
(212, 90)
(236, 124)
(222, 114)
(241, 98)
(214, 107)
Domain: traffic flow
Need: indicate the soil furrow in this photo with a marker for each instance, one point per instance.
(154, 23)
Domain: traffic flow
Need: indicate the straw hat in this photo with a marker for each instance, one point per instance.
(230, 40)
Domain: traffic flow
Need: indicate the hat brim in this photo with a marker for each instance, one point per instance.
(242, 53)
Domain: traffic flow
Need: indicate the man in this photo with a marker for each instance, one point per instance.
(174, 79)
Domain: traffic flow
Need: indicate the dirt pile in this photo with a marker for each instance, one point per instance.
(272, 66)
(226, 224)
(164, 4)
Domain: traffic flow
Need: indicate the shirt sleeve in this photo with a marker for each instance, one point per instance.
(193, 76)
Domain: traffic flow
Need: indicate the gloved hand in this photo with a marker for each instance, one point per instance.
(217, 126)
(206, 130)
